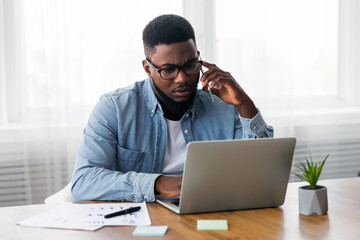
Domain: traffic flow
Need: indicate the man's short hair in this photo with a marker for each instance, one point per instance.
(166, 29)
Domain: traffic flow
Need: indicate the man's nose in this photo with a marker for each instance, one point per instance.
(182, 77)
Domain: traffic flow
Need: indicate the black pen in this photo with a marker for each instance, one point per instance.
(123, 212)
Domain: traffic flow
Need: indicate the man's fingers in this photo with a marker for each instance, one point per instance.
(207, 74)
(214, 78)
(208, 65)
(213, 73)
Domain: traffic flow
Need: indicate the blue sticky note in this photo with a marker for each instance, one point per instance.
(208, 225)
(150, 230)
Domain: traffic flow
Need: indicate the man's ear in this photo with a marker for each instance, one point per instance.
(147, 68)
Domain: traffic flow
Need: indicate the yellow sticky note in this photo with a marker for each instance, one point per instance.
(210, 225)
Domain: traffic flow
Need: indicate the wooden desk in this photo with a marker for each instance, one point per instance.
(342, 221)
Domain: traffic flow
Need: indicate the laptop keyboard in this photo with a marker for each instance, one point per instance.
(176, 203)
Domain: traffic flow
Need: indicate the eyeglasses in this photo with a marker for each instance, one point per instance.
(171, 71)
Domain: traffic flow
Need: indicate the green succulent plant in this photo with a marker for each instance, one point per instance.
(310, 171)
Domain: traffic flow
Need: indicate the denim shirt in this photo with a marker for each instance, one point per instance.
(123, 148)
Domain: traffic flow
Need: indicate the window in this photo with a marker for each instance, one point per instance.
(297, 59)
(280, 48)
(70, 52)
(61, 53)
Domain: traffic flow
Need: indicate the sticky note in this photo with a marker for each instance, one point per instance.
(150, 230)
(209, 225)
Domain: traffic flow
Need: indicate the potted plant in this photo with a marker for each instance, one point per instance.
(312, 197)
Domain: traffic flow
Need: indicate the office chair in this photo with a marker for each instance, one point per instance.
(64, 195)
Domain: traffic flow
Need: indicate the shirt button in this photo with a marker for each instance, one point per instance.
(145, 196)
(254, 127)
(153, 111)
(187, 115)
(186, 131)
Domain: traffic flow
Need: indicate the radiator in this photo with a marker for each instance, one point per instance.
(343, 161)
(341, 142)
(30, 178)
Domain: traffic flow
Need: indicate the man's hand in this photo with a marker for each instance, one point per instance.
(168, 186)
(229, 89)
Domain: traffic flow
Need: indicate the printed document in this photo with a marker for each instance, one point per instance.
(89, 216)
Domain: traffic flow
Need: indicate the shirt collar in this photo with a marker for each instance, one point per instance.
(150, 98)
(154, 105)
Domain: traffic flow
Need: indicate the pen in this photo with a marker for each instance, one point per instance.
(123, 212)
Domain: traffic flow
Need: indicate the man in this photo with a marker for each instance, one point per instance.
(135, 140)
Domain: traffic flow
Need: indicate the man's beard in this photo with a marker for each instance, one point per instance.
(179, 108)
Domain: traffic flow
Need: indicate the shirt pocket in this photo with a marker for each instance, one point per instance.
(129, 160)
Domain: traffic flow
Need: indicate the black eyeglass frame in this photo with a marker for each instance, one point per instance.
(159, 69)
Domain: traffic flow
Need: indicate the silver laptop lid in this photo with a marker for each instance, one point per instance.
(236, 174)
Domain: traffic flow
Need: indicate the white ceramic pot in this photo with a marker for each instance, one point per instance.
(313, 201)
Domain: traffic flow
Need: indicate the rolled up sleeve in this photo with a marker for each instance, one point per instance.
(255, 127)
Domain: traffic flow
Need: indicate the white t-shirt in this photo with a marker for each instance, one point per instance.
(175, 149)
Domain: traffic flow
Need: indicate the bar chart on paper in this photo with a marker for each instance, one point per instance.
(88, 216)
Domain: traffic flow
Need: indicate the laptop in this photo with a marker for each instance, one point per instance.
(234, 175)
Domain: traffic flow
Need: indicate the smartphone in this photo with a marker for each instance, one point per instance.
(208, 88)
